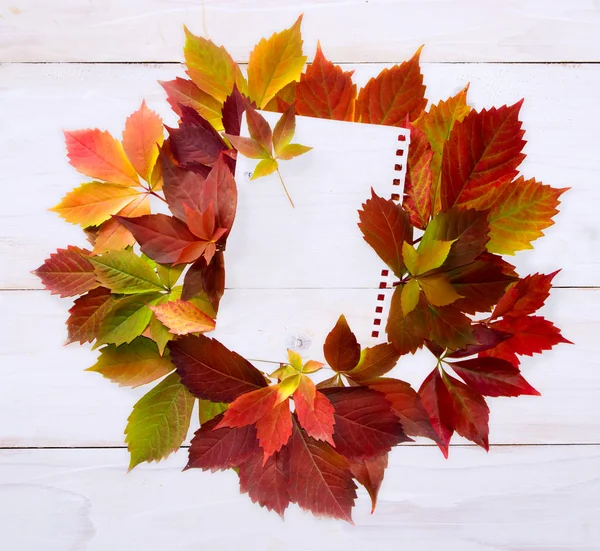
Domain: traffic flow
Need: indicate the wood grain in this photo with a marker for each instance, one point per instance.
(349, 30)
(523, 498)
(559, 114)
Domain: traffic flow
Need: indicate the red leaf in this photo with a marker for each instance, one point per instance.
(209, 279)
(485, 338)
(341, 348)
(248, 408)
(162, 238)
(531, 335)
(220, 449)
(267, 484)
(87, 314)
(67, 272)
(438, 405)
(274, 429)
(393, 94)
(181, 186)
(326, 91)
(365, 424)
(259, 128)
(320, 480)
(525, 297)
(314, 411)
(471, 413)
(369, 473)
(406, 404)
(417, 185)
(212, 372)
(195, 141)
(385, 226)
(374, 362)
(482, 153)
(449, 327)
(493, 377)
(233, 109)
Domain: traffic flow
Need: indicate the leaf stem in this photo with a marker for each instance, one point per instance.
(285, 189)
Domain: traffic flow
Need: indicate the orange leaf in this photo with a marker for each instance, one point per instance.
(248, 408)
(274, 429)
(142, 137)
(417, 187)
(183, 317)
(97, 154)
(326, 91)
(274, 63)
(393, 94)
(92, 203)
(314, 411)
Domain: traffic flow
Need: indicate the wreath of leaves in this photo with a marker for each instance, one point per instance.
(455, 294)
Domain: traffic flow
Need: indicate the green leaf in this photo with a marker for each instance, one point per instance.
(208, 410)
(132, 364)
(127, 319)
(126, 273)
(159, 422)
(158, 331)
(168, 274)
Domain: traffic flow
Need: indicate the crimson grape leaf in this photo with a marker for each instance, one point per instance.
(369, 472)
(439, 407)
(341, 348)
(87, 314)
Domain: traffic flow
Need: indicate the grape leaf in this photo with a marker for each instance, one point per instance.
(374, 362)
(485, 338)
(211, 371)
(248, 408)
(407, 333)
(233, 110)
(92, 203)
(156, 330)
(211, 67)
(274, 429)
(341, 348)
(314, 411)
(184, 92)
(493, 377)
(385, 226)
(127, 319)
(417, 186)
(219, 449)
(320, 480)
(97, 154)
(169, 275)
(87, 313)
(266, 484)
(182, 317)
(274, 63)
(208, 410)
(159, 422)
(393, 95)
(480, 156)
(365, 425)
(369, 472)
(68, 272)
(124, 272)
(142, 137)
(134, 364)
(439, 407)
(326, 91)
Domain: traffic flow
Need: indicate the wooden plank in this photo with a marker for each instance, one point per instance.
(560, 116)
(349, 30)
(46, 399)
(534, 498)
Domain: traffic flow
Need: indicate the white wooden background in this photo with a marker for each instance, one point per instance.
(63, 481)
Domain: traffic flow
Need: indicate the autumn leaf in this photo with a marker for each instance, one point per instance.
(219, 449)
(386, 226)
(365, 425)
(274, 429)
(369, 473)
(213, 372)
(134, 364)
(393, 94)
(266, 484)
(481, 155)
(439, 407)
(341, 348)
(184, 92)
(326, 91)
(314, 411)
(320, 480)
(124, 272)
(417, 186)
(97, 154)
(142, 137)
(159, 422)
(407, 333)
(211, 67)
(92, 203)
(169, 275)
(182, 317)
(206, 278)
(274, 63)
(485, 338)
(68, 272)
(374, 362)
(208, 410)
(233, 110)
(87, 313)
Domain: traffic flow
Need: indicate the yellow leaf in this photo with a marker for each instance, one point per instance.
(287, 387)
(211, 67)
(410, 296)
(411, 258)
(92, 203)
(432, 254)
(438, 290)
(274, 63)
(295, 359)
(182, 317)
(264, 168)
